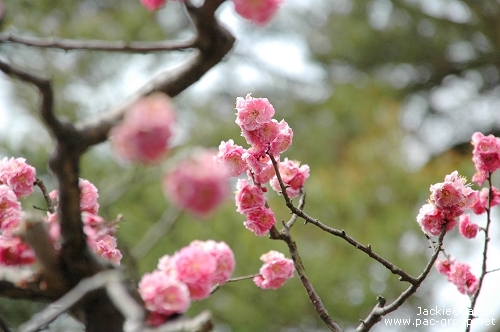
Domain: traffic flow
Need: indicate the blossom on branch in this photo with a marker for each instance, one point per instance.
(10, 210)
(482, 199)
(253, 113)
(459, 274)
(486, 156)
(275, 271)
(144, 134)
(230, 156)
(18, 175)
(467, 228)
(293, 176)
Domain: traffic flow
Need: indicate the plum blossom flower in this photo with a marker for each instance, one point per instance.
(260, 164)
(153, 5)
(163, 293)
(88, 196)
(197, 183)
(146, 130)
(262, 136)
(18, 175)
(196, 267)
(467, 228)
(431, 220)
(258, 11)
(485, 155)
(481, 203)
(260, 220)
(293, 176)
(224, 258)
(253, 113)
(248, 196)
(459, 274)
(105, 247)
(10, 209)
(275, 271)
(453, 196)
(230, 155)
(14, 252)
(282, 140)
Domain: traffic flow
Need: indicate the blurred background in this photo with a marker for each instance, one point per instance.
(383, 97)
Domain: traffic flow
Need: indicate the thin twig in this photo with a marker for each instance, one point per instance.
(48, 200)
(97, 45)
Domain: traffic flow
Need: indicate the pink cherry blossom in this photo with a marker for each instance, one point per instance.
(260, 220)
(253, 113)
(431, 220)
(18, 175)
(258, 11)
(463, 278)
(13, 251)
(153, 5)
(275, 271)
(88, 196)
(453, 196)
(224, 257)
(443, 266)
(105, 247)
(10, 209)
(467, 228)
(262, 136)
(248, 196)
(482, 200)
(164, 294)
(293, 176)
(146, 130)
(283, 139)
(196, 267)
(197, 184)
(230, 155)
(260, 164)
(485, 155)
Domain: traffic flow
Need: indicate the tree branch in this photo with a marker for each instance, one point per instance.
(97, 45)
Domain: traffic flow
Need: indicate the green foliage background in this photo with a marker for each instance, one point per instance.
(347, 122)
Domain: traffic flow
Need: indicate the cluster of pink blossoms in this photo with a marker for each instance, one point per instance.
(257, 11)
(197, 183)
(17, 180)
(146, 130)
(100, 233)
(486, 156)
(459, 274)
(190, 274)
(266, 137)
(275, 271)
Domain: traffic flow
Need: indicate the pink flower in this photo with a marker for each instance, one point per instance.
(15, 252)
(453, 196)
(10, 209)
(260, 164)
(18, 175)
(481, 203)
(293, 176)
(260, 220)
(485, 155)
(258, 11)
(230, 155)
(224, 257)
(461, 276)
(197, 184)
(248, 196)
(283, 139)
(467, 228)
(153, 5)
(443, 266)
(164, 294)
(196, 267)
(106, 248)
(88, 196)
(253, 113)
(262, 136)
(431, 220)
(275, 271)
(145, 132)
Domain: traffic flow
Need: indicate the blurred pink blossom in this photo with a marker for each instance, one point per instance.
(257, 11)
(197, 183)
(13, 251)
(144, 134)
(153, 5)
(485, 155)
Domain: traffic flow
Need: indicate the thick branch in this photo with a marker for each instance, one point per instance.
(212, 41)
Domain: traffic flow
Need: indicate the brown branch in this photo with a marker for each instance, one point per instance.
(212, 41)
(380, 310)
(50, 205)
(318, 305)
(97, 45)
(340, 233)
